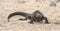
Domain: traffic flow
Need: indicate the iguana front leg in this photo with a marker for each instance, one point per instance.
(32, 21)
(46, 20)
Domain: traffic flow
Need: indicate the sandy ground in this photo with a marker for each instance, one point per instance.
(29, 6)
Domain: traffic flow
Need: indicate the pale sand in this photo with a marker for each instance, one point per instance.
(9, 6)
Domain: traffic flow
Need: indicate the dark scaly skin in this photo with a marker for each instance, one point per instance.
(36, 16)
(19, 13)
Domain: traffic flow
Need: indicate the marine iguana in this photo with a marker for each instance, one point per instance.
(36, 16)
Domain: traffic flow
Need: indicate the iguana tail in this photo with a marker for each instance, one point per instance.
(17, 13)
